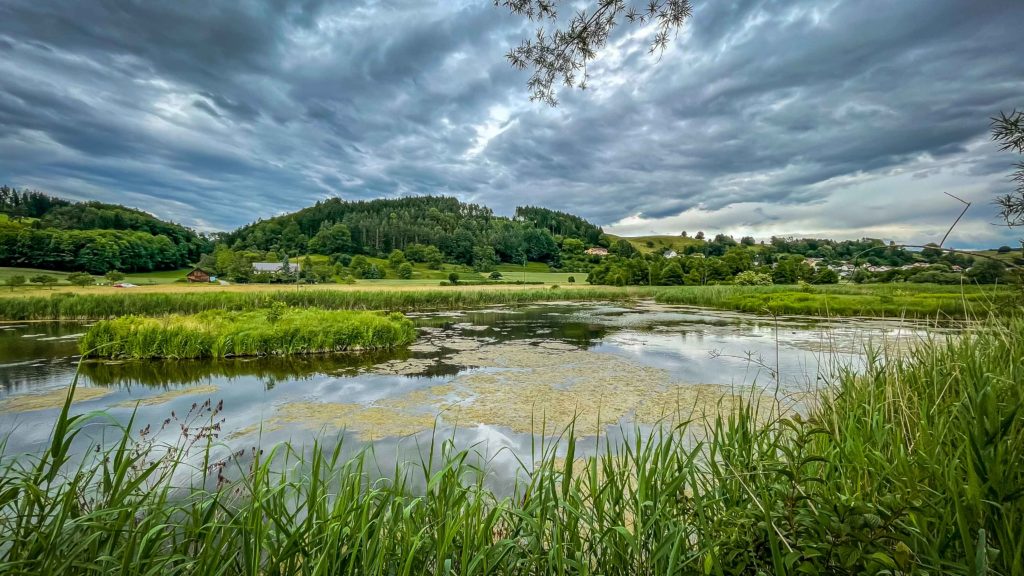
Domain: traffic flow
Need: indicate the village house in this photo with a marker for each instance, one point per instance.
(275, 267)
(597, 251)
(200, 275)
(670, 254)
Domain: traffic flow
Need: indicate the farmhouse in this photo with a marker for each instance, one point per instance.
(199, 275)
(275, 267)
(597, 251)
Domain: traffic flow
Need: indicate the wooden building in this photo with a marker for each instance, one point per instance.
(198, 275)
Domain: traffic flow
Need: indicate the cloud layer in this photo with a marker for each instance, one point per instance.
(845, 118)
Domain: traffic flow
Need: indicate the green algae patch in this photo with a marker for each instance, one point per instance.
(50, 400)
(223, 333)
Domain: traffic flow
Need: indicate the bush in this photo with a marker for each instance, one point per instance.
(453, 278)
(44, 279)
(751, 278)
(572, 280)
(15, 281)
(495, 275)
(81, 279)
(114, 276)
(405, 271)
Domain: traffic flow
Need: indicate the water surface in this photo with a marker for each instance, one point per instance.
(492, 378)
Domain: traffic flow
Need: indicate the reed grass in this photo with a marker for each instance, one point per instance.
(913, 466)
(222, 334)
(911, 300)
(869, 300)
(99, 306)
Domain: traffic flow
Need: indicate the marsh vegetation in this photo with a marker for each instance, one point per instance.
(911, 465)
(277, 330)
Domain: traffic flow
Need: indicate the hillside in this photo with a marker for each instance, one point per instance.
(659, 244)
(463, 233)
(42, 231)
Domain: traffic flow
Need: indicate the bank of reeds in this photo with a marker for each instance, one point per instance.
(912, 467)
(72, 306)
(909, 300)
(222, 334)
(868, 300)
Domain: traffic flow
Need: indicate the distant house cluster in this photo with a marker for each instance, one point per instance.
(596, 251)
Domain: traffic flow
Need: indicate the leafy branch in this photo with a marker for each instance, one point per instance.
(560, 55)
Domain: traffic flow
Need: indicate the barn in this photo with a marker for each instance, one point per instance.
(198, 275)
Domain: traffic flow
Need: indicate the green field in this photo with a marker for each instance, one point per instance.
(141, 278)
(659, 243)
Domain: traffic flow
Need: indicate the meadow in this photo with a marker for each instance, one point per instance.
(871, 300)
(276, 330)
(910, 467)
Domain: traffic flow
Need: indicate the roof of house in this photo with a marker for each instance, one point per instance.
(194, 270)
(274, 266)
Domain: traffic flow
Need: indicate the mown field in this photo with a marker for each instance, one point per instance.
(914, 468)
(890, 300)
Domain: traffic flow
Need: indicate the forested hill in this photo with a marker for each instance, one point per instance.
(376, 227)
(42, 231)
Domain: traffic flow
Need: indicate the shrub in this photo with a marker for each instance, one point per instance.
(81, 279)
(495, 275)
(405, 271)
(15, 281)
(453, 278)
(44, 279)
(751, 278)
(572, 280)
(114, 276)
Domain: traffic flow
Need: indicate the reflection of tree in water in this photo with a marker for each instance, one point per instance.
(272, 369)
(548, 322)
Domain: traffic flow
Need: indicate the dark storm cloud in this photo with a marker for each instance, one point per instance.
(844, 117)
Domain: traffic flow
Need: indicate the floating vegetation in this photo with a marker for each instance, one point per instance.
(557, 383)
(221, 334)
(51, 399)
(369, 422)
(169, 395)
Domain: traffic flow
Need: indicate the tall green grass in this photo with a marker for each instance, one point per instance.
(97, 306)
(914, 300)
(221, 334)
(872, 300)
(912, 467)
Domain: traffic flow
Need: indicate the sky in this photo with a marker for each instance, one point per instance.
(841, 119)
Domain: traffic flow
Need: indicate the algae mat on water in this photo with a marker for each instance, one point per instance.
(528, 386)
(221, 333)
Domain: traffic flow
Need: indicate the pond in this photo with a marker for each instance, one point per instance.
(494, 379)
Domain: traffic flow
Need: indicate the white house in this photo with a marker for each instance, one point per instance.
(275, 267)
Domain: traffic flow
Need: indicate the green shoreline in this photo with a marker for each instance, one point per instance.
(869, 300)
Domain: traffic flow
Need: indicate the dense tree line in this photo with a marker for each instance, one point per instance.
(739, 264)
(27, 203)
(464, 233)
(42, 231)
(869, 250)
(560, 224)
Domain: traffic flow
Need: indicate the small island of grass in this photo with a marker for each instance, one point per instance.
(272, 331)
